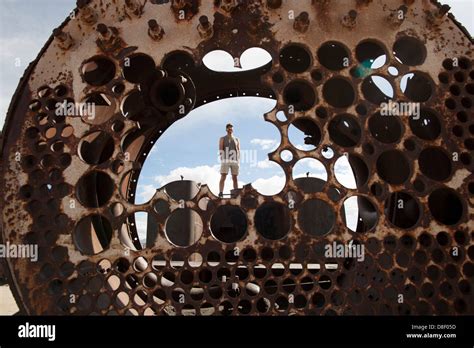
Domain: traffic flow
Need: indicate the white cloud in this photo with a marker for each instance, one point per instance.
(312, 166)
(145, 193)
(351, 209)
(344, 174)
(270, 186)
(265, 144)
(201, 174)
(266, 164)
(141, 221)
(252, 58)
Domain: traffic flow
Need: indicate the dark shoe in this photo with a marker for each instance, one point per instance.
(221, 195)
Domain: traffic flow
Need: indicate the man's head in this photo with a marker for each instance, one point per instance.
(229, 128)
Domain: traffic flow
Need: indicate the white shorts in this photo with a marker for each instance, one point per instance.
(234, 168)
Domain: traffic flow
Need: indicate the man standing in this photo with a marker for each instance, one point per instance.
(229, 154)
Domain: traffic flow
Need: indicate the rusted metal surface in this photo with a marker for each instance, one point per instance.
(255, 255)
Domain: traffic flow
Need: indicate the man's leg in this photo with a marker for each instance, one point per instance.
(236, 182)
(221, 183)
(235, 173)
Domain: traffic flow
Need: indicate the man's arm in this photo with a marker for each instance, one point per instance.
(221, 148)
(238, 149)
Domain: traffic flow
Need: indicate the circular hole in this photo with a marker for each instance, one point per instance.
(98, 71)
(466, 103)
(272, 220)
(304, 134)
(359, 214)
(32, 132)
(409, 144)
(44, 91)
(267, 254)
(321, 112)
(392, 70)
(450, 104)
(280, 116)
(469, 144)
(281, 304)
(386, 129)
(167, 94)
(455, 90)
(277, 77)
(361, 109)
(195, 260)
(371, 54)
(96, 148)
(205, 275)
(402, 210)
(139, 231)
(118, 88)
(140, 264)
(344, 130)
(52, 105)
(295, 59)
(286, 155)
(443, 78)
(445, 206)
(67, 131)
(228, 224)
(133, 105)
(427, 126)
(310, 175)
(435, 163)
(351, 171)
(462, 116)
(393, 167)
(299, 94)
(92, 234)
(470, 88)
(137, 68)
(377, 89)
(316, 217)
(417, 86)
(284, 252)
(459, 76)
(99, 108)
(334, 56)
(61, 91)
(419, 185)
(465, 159)
(376, 189)
(94, 189)
(338, 92)
(409, 51)
(325, 282)
(316, 75)
(327, 152)
(465, 63)
(177, 261)
(183, 227)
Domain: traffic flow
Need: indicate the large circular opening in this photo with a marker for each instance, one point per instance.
(228, 224)
(183, 227)
(167, 94)
(272, 220)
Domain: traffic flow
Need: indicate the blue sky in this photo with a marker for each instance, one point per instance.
(189, 147)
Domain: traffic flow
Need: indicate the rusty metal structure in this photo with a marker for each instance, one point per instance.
(68, 181)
